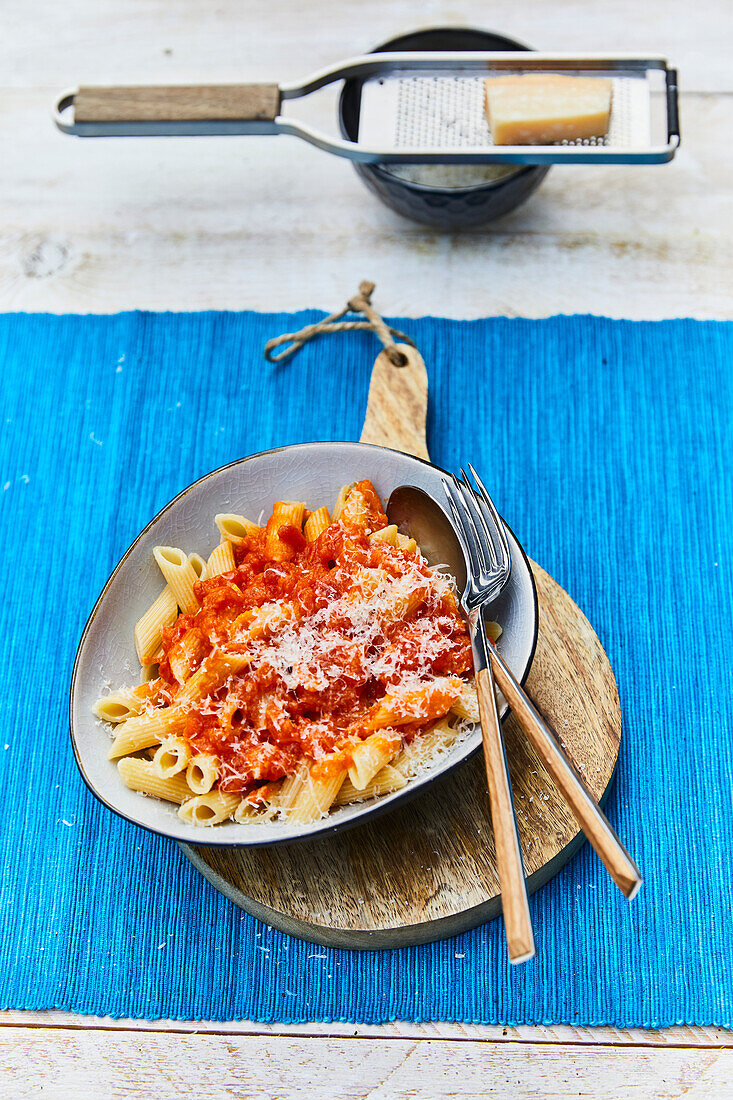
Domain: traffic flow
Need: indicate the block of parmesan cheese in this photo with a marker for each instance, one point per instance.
(539, 108)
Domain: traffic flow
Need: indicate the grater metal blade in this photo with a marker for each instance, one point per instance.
(423, 113)
(403, 113)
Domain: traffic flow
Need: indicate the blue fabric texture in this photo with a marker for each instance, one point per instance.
(608, 447)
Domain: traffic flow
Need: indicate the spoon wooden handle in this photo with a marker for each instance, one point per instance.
(398, 404)
(517, 921)
(594, 823)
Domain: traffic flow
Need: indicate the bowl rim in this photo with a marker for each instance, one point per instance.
(383, 805)
(425, 188)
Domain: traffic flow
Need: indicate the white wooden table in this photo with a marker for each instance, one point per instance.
(101, 226)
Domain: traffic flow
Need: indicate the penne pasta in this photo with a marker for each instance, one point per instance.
(466, 705)
(235, 528)
(384, 782)
(180, 575)
(144, 730)
(317, 522)
(401, 604)
(424, 749)
(221, 560)
(290, 789)
(186, 654)
(402, 542)
(199, 565)
(171, 757)
(340, 501)
(405, 706)
(366, 584)
(248, 811)
(354, 512)
(202, 773)
(315, 798)
(264, 620)
(369, 757)
(139, 775)
(285, 513)
(385, 534)
(209, 809)
(288, 513)
(119, 705)
(214, 671)
(149, 627)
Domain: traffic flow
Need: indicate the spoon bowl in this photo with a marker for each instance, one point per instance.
(422, 518)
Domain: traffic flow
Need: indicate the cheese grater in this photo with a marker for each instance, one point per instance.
(416, 108)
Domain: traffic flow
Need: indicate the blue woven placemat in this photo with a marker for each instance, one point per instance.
(607, 446)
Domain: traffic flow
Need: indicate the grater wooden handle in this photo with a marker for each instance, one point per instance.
(398, 404)
(184, 103)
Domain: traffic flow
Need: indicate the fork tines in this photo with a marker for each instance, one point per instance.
(485, 544)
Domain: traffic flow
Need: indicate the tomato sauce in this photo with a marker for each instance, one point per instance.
(337, 633)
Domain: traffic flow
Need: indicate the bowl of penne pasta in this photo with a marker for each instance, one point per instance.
(272, 659)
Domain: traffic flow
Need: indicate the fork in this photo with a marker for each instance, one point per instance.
(586, 811)
(488, 566)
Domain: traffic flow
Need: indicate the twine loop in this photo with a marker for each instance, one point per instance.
(360, 303)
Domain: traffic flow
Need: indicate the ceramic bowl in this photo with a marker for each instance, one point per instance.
(313, 472)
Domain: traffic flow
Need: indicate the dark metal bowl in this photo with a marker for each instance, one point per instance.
(442, 207)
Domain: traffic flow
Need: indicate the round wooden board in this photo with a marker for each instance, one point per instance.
(427, 870)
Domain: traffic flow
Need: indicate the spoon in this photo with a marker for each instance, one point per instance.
(421, 517)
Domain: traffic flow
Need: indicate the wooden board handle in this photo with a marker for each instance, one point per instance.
(586, 811)
(185, 103)
(512, 882)
(398, 404)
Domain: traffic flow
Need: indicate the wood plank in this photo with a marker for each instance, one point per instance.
(559, 1034)
(162, 41)
(140, 1064)
(193, 223)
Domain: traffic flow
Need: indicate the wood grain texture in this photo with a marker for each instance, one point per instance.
(178, 103)
(509, 866)
(566, 1035)
(428, 869)
(106, 225)
(84, 40)
(107, 1065)
(592, 820)
(100, 226)
(563, 1035)
(397, 404)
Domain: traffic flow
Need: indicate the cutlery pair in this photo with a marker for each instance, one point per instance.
(488, 565)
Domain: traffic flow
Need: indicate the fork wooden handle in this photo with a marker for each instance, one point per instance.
(517, 922)
(621, 867)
